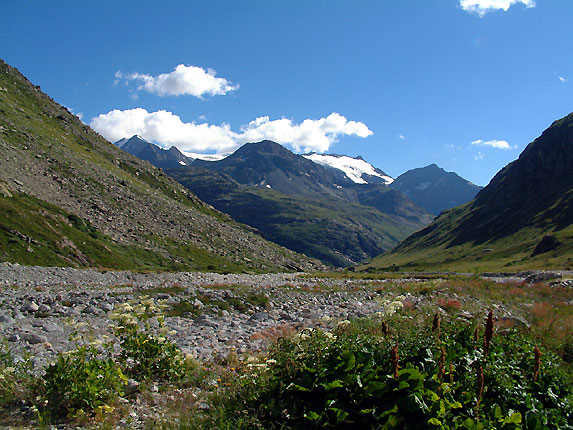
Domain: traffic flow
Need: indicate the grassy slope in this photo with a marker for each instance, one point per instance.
(429, 249)
(332, 230)
(54, 237)
(40, 139)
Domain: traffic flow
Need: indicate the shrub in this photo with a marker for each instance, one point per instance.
(81, 381)
(413, 380)
(16, 378)
(145, 355)
(148, 357)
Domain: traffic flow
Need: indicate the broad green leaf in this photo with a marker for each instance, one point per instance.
(312, 416)
(332, 385)
(514, 418)
(294, 387)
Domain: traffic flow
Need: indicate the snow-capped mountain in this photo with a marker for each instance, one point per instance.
(356, 169)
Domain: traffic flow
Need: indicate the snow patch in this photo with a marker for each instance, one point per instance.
(423, 186)
(183, 163)
(207, 157)
(353, 168)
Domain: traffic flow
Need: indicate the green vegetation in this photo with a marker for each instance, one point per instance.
(388, 374)
(35, 232)
(432, 249)
(58, 175)
(335, 231)
(79, 383)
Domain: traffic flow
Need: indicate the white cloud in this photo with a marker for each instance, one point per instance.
(401, 137)
(499, 144)
(184, 80)
(310, 135)
(481, 7)
(562, 79)
(479, 156)
(167, 129)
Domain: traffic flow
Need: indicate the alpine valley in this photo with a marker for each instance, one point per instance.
(335, 208)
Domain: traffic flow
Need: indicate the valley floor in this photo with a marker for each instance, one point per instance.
(224, 319)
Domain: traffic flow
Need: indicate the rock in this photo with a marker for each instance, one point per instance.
(29, 307)
(132, 387)
(52, 328)
(4, 318)
(259, 316)
(106, 307)
(43, 308)
(198, 303)
(33, 338)
(89, 310)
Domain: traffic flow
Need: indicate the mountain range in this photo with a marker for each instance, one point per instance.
(332, 207)
(70, 198)
(522, 219)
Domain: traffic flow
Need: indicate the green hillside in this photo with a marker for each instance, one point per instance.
(335, 231)
(522, 220)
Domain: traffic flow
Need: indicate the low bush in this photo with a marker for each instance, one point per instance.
(80, 381)
(423, 379)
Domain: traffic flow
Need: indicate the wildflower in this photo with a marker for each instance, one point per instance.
(488, 333)
(436, 323)
(394, 357)
(441, 364)
(480, 385)
(385, 328)
(537, 364)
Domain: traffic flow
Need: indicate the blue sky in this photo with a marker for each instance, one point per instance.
(403, 83)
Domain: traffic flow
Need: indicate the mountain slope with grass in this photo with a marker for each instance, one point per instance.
(523, 219)
(337, 232)
(70, 198)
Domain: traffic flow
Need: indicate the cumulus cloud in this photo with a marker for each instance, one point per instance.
(167, 129)
(481, 7)
(499, 144)
(184, 80)
(310, 135)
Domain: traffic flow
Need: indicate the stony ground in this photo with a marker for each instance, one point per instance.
(210, 315)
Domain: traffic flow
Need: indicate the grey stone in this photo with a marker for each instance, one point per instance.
(33, 338)
(4, 318)
(259, 316)
(52, 328)
(43, 308)
(29, 307)
(89, 310)
(107, 307)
